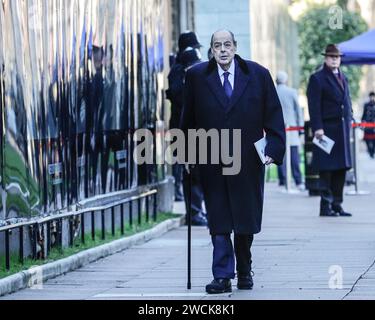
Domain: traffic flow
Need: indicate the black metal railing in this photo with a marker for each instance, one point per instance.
(58, 219)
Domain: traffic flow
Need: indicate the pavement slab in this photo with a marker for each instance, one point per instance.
(298, 255)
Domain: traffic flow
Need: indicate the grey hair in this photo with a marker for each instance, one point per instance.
(282, 77)
(230, 32)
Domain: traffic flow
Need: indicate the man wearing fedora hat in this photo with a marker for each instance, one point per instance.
(330, 111)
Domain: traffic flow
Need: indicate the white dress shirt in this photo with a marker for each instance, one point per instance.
(231, 71)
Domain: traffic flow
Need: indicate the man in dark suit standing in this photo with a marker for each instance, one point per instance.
(369, 116)
(230, 93)
(330, 110)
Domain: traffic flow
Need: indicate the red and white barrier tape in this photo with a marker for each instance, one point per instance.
(364, 125)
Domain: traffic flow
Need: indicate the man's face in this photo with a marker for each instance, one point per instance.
(223, 48)
(372, 98)
(333, 61)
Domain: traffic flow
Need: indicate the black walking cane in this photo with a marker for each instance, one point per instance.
(189, 214)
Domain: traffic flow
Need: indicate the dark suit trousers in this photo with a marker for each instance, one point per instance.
(332, 187)
(371, 147)
(177, 170)
(196, 191)
(223, 266)
(296, 171)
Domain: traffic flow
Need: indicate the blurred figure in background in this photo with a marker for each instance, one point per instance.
(292, 118)
(176, 79)
(188, 56)
(369, 116)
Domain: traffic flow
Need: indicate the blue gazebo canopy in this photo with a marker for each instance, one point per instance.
(360, 49)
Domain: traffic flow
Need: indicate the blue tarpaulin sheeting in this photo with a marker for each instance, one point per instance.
(360, 49)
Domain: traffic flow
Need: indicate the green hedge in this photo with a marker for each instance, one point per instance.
(315, 34)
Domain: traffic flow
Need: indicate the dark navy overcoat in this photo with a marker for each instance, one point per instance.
(330, 109)
(235, 202)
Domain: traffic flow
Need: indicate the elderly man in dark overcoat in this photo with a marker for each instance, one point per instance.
(330, 111)
(230, 93)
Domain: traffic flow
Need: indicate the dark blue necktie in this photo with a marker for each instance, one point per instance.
(227, 86)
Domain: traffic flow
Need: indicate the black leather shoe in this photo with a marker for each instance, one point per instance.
(340, 211)
(245, 282)
(218, 286)
(329, 213)
(345, 214)
(198, 220)
(179, 198)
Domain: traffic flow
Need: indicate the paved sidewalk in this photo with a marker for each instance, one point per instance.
(292, 258)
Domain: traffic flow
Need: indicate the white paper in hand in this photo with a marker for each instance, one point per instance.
(325, 143)
(260, 146)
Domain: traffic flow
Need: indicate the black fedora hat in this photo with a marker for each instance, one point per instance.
(189, 57)
(332, 50)
(188, 39)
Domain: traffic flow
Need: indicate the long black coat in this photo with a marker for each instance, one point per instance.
(235, 203)
(330, 109)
